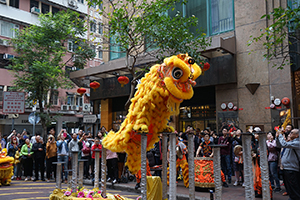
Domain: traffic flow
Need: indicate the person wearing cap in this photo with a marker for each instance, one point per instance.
(290, 161)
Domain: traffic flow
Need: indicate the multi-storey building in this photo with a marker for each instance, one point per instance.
(235, 78)
(67, 103)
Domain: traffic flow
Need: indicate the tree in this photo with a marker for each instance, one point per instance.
(39, 65)
(140, 28)
(282, 35)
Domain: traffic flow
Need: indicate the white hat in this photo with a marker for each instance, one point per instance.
(257, 129)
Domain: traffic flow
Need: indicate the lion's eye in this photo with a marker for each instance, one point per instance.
(177, 73)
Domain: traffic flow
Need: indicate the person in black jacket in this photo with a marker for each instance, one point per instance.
(39, 156)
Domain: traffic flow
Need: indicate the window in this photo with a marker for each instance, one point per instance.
(54, 97)
(55, 10)
(115, 49)
(93, 26)
(93, 47)
(7, 29)
(213, 18)
(70, 46)
(1, 92)
(100, 53)
(33, 3)
(100, 28)
(14, 3)
(93, 5)
(73, 99)
(80, 1)
(45, 8)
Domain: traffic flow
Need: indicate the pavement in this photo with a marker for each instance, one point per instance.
(230, 193)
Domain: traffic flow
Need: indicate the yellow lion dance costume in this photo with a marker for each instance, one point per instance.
(6, 168)
(157, 98)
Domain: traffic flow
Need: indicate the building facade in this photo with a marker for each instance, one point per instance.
(238, 88)
(67, 104)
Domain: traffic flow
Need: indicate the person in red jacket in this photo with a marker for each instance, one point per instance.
(96, 145)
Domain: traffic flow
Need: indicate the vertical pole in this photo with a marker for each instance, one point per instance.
(164, 165)
(248, 174)
(144, 166)
(58, 175)
(172, 179)
(217, 173)
(80, 173)
(70, 179)
(13, 123)
(74, 170)
(191, 166)
(96, 173)
(264, 166)
(33, 128)
(103, 173)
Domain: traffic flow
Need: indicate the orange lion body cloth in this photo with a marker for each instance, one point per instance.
(158, 97)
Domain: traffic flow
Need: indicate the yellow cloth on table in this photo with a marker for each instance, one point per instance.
(154, 188)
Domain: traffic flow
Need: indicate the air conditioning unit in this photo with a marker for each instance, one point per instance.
(74, 107)
(7, 56)
(72, 3)
(4, 42)
(35, 10)
(86, 107)
(64, 107)
(3, 1)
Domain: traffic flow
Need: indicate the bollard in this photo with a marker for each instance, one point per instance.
(80, 173)
(264, 167)
(74, 170)
(247, 159)
(103, 173)
(172, 169)
(96, 173)
(191, 165)
(144, 166)
(217, 171)
(58, 174)
(164, 165)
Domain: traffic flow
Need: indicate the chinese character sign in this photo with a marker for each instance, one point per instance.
(13, 102)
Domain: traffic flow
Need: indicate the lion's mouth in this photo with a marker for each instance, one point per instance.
(5, 165)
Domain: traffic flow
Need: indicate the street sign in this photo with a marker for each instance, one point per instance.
(13, 102)
(13, 116)
(34, 118)
(89, 119)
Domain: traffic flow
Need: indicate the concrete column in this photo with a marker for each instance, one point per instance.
(164, 165)
(191, 166)
(217, 172)
(172, 169)
(103, 173)
(80, 173)
(97, 164)
(58, 174)
(144, 166)
(264, 167)
(248, 173)
(74, 170)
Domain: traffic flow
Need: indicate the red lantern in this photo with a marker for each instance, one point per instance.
(123, 80)
(285, 101)
(94, 85)
(81, 91)
(206, 67)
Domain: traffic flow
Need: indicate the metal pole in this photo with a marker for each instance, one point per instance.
(144, 166)
(103, 173)
(164, 165)
(74, 170)
(191, 166)
(173, 173)
(33, 128)
(80, 173)
(217, 173)
(13, 124)
(264, 168)
(97, 159)
(248, 174)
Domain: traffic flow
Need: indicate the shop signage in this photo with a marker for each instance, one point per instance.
(89, 119)
(13, 102)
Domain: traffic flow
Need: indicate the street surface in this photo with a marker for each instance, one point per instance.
(21, 190)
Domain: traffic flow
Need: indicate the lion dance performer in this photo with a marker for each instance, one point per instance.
(157, 98)
(6, 167)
